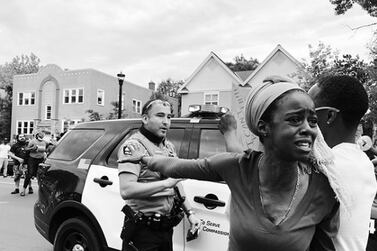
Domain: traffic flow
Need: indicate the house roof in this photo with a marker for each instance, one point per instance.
(184, 89)
(267, 59)
(243, 75)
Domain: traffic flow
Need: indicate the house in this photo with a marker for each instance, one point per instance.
(54, 99)
(213, 82)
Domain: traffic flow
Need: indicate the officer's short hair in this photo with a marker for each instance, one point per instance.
(148, 105)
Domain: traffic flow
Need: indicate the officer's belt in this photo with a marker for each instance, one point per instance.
(159, 222)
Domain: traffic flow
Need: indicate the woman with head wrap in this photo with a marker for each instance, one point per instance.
(279, 199)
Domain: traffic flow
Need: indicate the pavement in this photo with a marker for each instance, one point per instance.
(17, 230)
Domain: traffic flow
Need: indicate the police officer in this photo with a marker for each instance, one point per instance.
(148, 194)
(20, 156)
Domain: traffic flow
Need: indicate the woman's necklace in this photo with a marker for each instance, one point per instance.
(293, 196)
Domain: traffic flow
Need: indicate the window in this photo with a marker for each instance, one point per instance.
(75, 144)
(73, 96)
(113, 158)
(211, 143)
(136, 106)
(48, 112)
(69, 124)
(25, 126)
(211, 98)
(175, 136)
(26, 98)
(100, 97)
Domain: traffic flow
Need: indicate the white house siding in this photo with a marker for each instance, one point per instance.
(212, 77)
(279, 64)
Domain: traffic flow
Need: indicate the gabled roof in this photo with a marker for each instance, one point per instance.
(243, 75)
(261, 65)
(183, 88)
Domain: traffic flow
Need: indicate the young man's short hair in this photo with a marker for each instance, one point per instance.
(346, 94)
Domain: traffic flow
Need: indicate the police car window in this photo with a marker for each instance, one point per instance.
(175, 135)
(211, 142)
(113, 158)
(75, 143)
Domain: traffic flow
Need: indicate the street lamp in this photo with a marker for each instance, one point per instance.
(121, 77)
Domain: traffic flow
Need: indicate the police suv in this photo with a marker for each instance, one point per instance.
(79, 204)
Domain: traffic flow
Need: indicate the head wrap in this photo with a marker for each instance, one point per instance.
(261, 97)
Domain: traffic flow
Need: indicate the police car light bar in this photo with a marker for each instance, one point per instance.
(207, 109)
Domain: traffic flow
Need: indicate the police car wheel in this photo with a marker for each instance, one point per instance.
(76, 234)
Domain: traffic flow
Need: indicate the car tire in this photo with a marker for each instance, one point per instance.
(76, 234)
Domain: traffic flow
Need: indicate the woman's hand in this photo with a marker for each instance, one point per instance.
(227, 123)
(132, 154)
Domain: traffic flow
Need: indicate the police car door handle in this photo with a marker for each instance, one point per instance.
(103, 181)
(209, 202)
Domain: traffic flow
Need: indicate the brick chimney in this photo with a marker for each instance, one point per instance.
(152, 86)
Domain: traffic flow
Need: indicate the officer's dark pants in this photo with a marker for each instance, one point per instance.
(146, 239)
(32, 167)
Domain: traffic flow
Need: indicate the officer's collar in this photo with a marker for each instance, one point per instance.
(155, 139)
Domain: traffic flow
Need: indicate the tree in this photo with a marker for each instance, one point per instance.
(320, 61)
(242, 64)
(169, 87)
(19, 65)
(114, 113)
(93, 115)
(324, 61)
(341, 6)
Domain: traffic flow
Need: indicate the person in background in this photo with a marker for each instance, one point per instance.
(20, 156)
(37, 147)
(4, 151)
(150, 194)
(341, 101)
(279, 199)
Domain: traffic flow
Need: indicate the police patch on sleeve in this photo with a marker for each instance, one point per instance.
(126, 150)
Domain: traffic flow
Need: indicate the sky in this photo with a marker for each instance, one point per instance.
(152, 40)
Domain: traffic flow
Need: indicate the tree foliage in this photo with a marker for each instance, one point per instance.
(325, 61)
(114, 113)
(23, 64)
(341, 6)
(169, 87)
(93, 115)
(242, 64)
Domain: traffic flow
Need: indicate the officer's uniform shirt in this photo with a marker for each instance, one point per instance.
(161, 202)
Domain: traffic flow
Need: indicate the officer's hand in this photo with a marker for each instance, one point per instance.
(171, 182)
(195, 223)
(21, 161)
(227, 123)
